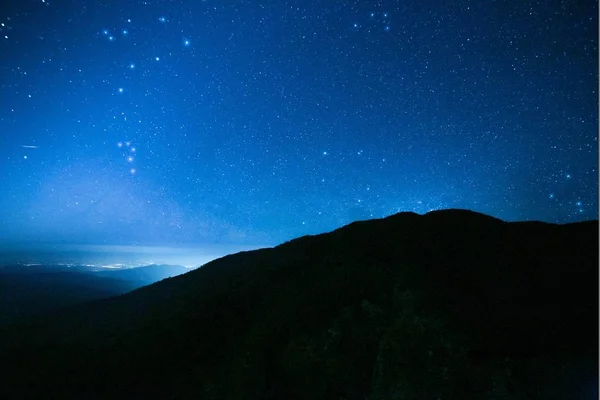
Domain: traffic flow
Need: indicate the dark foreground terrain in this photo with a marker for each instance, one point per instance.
(448, 305)
(27, 291)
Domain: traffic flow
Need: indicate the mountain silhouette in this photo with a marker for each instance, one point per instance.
(451, 304)
(144, 275)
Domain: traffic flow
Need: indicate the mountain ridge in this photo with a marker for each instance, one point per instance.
(247, 318)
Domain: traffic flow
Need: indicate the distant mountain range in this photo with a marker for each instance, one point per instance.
(451, 305)
(144, 275)
(29, 290)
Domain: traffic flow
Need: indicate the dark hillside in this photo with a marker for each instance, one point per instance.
(29, 291)
(451, 304)
(25, 295)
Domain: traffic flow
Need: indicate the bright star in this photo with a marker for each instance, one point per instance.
(186, 42)
(120, 90)
(162, 19)
(120, 144)
(130, 159)
(131, 66)
(157, 58)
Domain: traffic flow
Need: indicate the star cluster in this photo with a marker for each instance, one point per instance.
(157, 122)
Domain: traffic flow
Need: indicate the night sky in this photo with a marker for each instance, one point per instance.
(248, 122)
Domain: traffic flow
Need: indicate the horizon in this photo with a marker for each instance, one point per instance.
(190, 255)
(111, 255)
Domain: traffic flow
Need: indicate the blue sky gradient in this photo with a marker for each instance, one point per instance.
(249, 123)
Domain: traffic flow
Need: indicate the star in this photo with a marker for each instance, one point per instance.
(132, 171)
(132, 66)
(130, 159)
(120, 90)
(186, 42)
(162, 19)
(120, 144)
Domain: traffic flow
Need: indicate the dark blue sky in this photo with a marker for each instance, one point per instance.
(178, 122)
